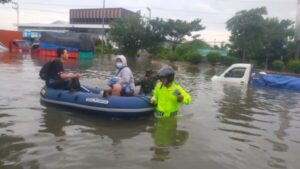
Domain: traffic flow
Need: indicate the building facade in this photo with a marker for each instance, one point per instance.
(81, 20)
(98, 15)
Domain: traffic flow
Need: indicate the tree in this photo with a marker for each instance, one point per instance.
(4, 1)
(132, 33)
(155, 34)
(129, 34)
(213, 58)
(247, 32)
(176, 30)
(277, 34)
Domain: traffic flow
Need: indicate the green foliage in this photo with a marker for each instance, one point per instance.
(247, 31)
(196, 44)
(129, 34)
(294, 66)
(162, 53)
(188, 51)
(258, 38)
(193, 57)
(132, 33)
(105, 49)
(278, 65)
(176, 30)
(182, 50)
(213, 58)
(276, 39)
(229, 60)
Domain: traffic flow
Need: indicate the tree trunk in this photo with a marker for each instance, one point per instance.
(266, 63)
(244, 55)
(297, 50)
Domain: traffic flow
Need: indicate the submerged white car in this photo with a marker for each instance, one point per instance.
(236, 73)
(242, 74)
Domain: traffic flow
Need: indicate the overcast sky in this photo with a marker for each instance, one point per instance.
(214, 13)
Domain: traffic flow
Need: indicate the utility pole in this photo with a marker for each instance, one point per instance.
(103, 30)
(16, 7)
(297, 31)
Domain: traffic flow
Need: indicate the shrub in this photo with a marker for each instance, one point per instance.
(162, 53)
(228, 60)
(213, 58)
(182, 51)
(277, 65)
(193, 57)
(294, 66)
(107, 49)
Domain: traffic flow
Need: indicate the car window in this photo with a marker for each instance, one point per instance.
(35, 46)
(22, 44)
(236, 72)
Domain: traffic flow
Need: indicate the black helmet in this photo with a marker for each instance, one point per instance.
(167, 72)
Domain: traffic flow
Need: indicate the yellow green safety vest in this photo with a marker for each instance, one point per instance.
(167, 104)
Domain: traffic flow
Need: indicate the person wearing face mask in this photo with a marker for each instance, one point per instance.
(122, 83)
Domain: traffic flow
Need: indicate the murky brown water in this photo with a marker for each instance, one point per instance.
(228, 127)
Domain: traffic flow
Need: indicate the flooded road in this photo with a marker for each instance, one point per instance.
(226, 127)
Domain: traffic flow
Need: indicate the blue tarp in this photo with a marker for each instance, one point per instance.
(49, 46)
(81, 41)
(276, 81)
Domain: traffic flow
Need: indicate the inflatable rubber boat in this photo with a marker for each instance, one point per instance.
(88, 99)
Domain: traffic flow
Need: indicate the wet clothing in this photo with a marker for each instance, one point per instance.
(147, 85)
(55, 81)
(166, 99)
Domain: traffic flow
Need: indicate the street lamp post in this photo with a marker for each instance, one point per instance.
(103, 30)
(16, 7)
(149, 10)
(297, 31)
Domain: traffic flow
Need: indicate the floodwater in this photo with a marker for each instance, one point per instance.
(226, 127)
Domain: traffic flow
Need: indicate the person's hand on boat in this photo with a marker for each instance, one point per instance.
(153, 102)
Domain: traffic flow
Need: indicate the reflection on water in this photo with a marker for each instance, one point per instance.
(258, 118)
(226, 126)
(166, 136)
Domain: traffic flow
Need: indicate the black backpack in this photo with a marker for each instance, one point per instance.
(44, 72)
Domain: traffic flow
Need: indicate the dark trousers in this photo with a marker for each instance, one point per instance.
(67, 84)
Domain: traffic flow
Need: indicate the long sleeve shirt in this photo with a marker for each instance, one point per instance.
(166, 100)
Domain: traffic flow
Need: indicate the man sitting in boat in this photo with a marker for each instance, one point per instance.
(148, 82)
(122, 83)
(56, 78)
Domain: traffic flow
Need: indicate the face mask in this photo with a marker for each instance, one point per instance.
(119, 65)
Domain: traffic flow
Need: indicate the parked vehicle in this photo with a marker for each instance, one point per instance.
(236, 73)
(242, 74)
(19, 46)
(3, 48)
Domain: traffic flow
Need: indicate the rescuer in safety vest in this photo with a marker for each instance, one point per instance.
(168, 94)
